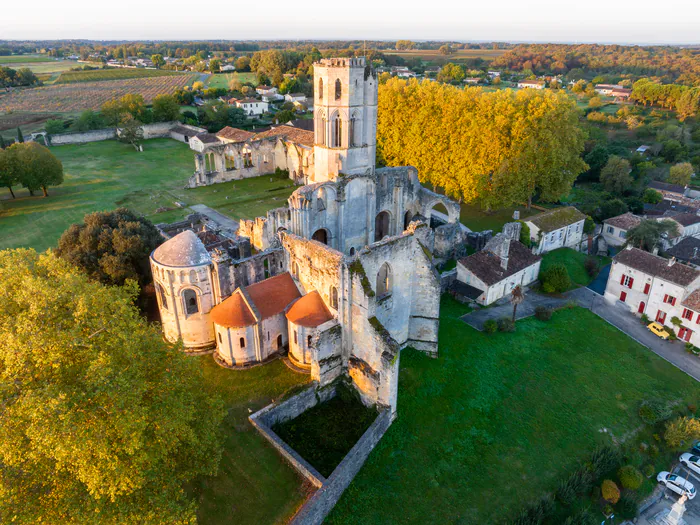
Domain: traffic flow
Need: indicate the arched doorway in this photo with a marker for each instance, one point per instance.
(320, 236)
(381, 225)
(438, 215)
(279, 342)
(407, 219)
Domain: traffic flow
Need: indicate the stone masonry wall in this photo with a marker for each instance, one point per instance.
(150, 131)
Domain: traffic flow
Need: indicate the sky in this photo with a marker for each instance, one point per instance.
(618, 21)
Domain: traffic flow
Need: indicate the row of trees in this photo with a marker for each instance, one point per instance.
(31, 165)
(20, 77)
(498, 148)
(684, 99)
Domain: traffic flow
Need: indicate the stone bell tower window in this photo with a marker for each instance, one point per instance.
(320, 89)
(338, 89)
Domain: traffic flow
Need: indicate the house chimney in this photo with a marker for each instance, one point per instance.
(695, 252)
(671, 261)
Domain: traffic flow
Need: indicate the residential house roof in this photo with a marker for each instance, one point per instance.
(686, 219)
(207, 138)
(556, 218)
(687, 250)
(626, 221)
(309, 311)
(692, 300)
(234, 134)
(667, 269)
(296, 95)
(249, 101)
(289, 133)
(184, 130)
(486, 265)
(303, 123)
(664, 186)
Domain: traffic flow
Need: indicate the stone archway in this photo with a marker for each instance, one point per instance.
(382, 223)
(320, 235)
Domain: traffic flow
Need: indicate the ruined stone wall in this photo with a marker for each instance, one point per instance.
(150, 131)
(262, 231)
(327, 359)
(255, 268)
(424, 320)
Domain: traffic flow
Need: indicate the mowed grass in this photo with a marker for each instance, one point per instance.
(575, 263)
(222, 80)
(102, 176)
(497, 420)
(254, 485)
(14, 59)
(112, 74)
(477, 219)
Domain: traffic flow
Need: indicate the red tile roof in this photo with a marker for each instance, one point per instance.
(625, 221)
(309, 311)
(292, 134)
(273, 295)
(234, 134)
(234, 312)
(645, 262)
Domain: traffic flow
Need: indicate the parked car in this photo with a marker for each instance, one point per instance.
(696, 448)
(691, 461)
(677, 484)
(658, 329)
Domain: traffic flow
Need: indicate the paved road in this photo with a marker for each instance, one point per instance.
(621, 318)
(666, 501)
(223, 221)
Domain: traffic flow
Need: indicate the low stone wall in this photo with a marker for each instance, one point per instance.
(150, 131)
(446, 279)
(317, 507)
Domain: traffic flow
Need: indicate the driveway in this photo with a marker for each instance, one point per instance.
(599, 283)
(653, 514)
(621, 318)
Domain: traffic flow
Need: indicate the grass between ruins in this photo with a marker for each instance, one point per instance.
(324, 434)
(102, 176)
(498, 420)
(575, 263)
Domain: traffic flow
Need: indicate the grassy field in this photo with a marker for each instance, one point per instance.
(70, 77)
(574, 262)
(255, 485)
(497, 420)
(14, 59)
(476, 219)
(222, 80)
(105, 175)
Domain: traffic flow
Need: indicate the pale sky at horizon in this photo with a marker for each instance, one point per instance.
(621, 21)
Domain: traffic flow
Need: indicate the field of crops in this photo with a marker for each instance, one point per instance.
(13, 59)
(70, 77)
(461, 54)
(88, 95)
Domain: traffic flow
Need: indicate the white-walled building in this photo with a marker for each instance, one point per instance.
(556, 228)
(615, 228)
(688, 226)
(503, 264)
(660, 288)
(607, 89)
(295, 97)
(252, 106)
(532, 84)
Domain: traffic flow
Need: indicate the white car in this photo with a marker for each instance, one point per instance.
(677, 484)
(691, 462)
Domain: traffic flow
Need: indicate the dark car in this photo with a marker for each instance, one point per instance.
(696, 447)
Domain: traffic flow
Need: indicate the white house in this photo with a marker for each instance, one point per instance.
(688, 226)
(266, 90)
(607, 89)
(472, 80)
(660, 288)
(295, 97)
(533, 84)
(493, 272)
(556, 228)
(228, 68)
(615, 228)
(252, 106)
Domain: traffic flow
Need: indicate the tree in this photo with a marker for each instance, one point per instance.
(2, 142)
(451, 73)
(672, 150)
(20, 137)
(610, 491)
(235, 85)
(647, 234)
(243, 64)
(88, 120)
(595, 103)
(517, 296)
(8, 172)
(215, 65)
(596, 159)
(682, 431)
(404, 45)
(197, 86)
(165, 108)
(54, 126)
(446, 49)
(158, 60)
(615, 176)
(284, 116)
(651, 196)
(130, 131)
(34, 166)
(104, 422)
(113, 110)
(681, 173)
(111, 247)
(612, 208)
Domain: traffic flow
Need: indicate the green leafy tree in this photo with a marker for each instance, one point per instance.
(596, 159)
(20, 137)
(215, 65)
(111, 247)
(555, 278)
(104, 422)
(243, 64)
(165, 108)
(113, 110)
(285, 116)
(158, 60)
(451, 73)
(647, 234)
(681, 173)
(651, 196)
(8, 172)
(682, 431)
(615, 176)
(130, 131)
(612, 208)
(34, 166)
(54, 126)
(88, 120)
(630, 477)
(672, 150)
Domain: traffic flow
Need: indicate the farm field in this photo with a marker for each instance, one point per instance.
(497, 420)
(222, 80)
(88, 95)
(95, 75)
(14, 59)
(104, 175)
(434, 54)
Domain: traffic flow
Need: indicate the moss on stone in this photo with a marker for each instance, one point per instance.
(356, 268)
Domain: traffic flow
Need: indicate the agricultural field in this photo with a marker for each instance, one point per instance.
(95, 75)
(88, 95)
(461, 54)
(222, 80)
(14, 59)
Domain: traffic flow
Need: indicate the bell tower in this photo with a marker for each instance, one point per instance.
(345, 113)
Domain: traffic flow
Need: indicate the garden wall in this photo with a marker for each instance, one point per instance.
(150, 131)
(317, 507)
(446, 279)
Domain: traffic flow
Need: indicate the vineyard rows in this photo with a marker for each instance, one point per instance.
(69, 77)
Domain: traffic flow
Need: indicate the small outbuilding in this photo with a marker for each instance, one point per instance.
(304, 317)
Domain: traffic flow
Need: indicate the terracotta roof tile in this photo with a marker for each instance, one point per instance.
(289, 133)
(234, 134)
(686, 219)
(273, 295)
(233, 312)
(692, 301)
(309, 311)
(486, 266)
(626, 221)
(677, 273)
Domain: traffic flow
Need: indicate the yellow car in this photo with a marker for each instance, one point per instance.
(658, 329)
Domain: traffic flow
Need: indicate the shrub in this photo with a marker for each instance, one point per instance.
(547, 288)
(543, 313)
(692, 408)
(645, 319)
(609, 491)
(654, 411)
(490, 326)
(682, 431)
(653, 450)
(628, 505)
(556, 277)
(536, 513)
(630, 477)
(603, 460)
(649, 470)
(583, 517)
(506, 324)
(608, 510)
(592, 266)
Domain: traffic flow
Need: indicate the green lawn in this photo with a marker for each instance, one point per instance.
(222, 80)
(497, 421)
(13, 59)
(476, 219)
(255, 485)
(574, 262)
(104, 175)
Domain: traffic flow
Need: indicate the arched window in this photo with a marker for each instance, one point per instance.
(337, 132)
(220, 340)
(334, 297)
(266, 268)
(381, 225)
(320, 89)
(352, 252)
(161, 295)
(190, 299)
(308, 342)
(193, 276)
(241, 341)
(295, 270)
(384, 280)
(320, 236)
(338, 89)
(320, 204)
(323, 129)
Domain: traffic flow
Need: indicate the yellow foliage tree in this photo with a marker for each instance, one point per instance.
(682, 431)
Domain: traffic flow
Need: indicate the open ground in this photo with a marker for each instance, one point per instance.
(222, 80)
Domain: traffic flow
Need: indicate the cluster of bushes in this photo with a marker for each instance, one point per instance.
(504, 324)
(692, 349)
(555, 279)
(543, 313)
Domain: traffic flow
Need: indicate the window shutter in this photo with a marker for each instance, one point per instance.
(623, 296)
(622, 280)
(665, 298)
(673, 301)
(646, 288)
(631, 281)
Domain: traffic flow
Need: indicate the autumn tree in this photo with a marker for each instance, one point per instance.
(615, 176)
(130, 131)
(113, 110)
(8, 172)
(681, 173)
(158, 60)
(215, 65)
(102, 422)
(165, 108)
(111, 247)
(682, 431)
(33, 166)
(451, 73)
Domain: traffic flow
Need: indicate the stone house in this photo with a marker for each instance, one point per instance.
(671, 192)
(266, 90)
(615, 228)
(660, 288)
(556, 228)
(493, 272)
(686, 251)
(295, 97)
